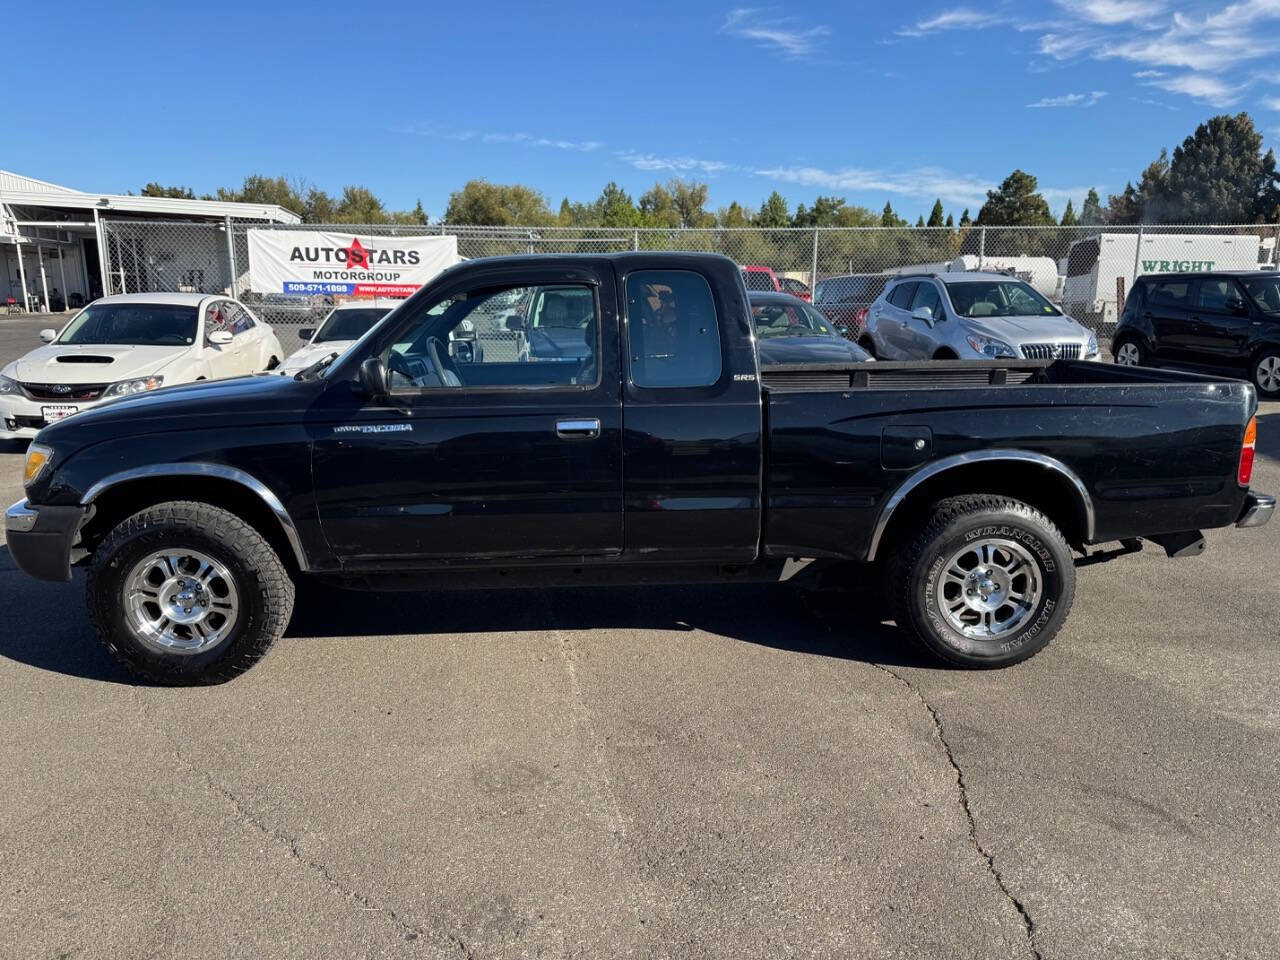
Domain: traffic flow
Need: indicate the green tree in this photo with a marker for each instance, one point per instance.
(1016, 202)
(935, 215)
(154, 189)
(965, 219)
(951, 222)
(359, 205)
(480, 203)
(690, 200)
(266, 190)
(733, 216)
(615, 208)
(318, 206)
(774, 212)
(1069, 215)
(1220, 175)
(825, 212)
(1124, 208)
(1091, 212)
(890, 219)
(920, 220)
(658, 208)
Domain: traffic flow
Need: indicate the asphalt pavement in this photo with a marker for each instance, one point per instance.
(686, 772)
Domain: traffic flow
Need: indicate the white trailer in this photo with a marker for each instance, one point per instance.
(1095, 263)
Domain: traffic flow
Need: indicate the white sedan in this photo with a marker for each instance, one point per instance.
(129, 344)
(345, 324)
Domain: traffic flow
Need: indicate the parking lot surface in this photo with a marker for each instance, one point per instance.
(693, 772)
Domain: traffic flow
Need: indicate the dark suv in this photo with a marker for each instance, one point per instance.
(1227, 321)
(844, 300)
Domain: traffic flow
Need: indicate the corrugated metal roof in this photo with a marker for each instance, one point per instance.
(28, 191)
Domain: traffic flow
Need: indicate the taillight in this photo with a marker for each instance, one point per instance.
(1246, 453)
(860, 317)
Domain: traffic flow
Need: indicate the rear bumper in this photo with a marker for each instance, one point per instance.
(40, 539)
(1258, 508)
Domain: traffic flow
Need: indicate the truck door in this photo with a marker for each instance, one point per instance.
(692, 415)
(1169, 310)
(481, 450)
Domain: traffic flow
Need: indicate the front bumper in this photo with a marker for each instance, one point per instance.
(40, 539)
(21, 418)
(1258, 508)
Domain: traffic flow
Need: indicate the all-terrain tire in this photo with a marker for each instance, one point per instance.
(264, 591)
(920, 591)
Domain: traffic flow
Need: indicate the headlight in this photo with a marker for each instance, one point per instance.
(126, 388)
(8, 387)
(990, 347)
(1091, 347)
(38, 457)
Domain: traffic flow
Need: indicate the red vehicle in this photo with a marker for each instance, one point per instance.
(761, 278)
(797, 288)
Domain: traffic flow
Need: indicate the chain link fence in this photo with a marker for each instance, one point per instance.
(1086, 270)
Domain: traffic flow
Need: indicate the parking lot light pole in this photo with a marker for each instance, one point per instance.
(1137, 256)
(231, 260)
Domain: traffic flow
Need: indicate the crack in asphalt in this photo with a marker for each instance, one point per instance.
(246, 816)
(1028, 924)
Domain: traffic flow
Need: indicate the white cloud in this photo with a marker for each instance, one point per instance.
(525, 139)
(960, 18)
(777, 34)
(1148, 74)
(1112, 11)
(926, 182)
(1203, 87)
(1271, 103)
(683, 164)
(1071, 100)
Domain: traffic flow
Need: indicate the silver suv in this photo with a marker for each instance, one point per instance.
(971, 316)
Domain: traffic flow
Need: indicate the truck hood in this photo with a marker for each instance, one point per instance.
(311, 353)
(810, 350)
(91, 363)
(1027, 329)
(237, 402)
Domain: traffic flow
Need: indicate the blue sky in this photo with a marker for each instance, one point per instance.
(872, 102)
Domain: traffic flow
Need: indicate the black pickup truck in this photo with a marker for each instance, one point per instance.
(661, 451)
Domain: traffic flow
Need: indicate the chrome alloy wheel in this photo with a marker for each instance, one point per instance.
(989, 588)
(1127, 355)
(180, 601)
(1269, 373)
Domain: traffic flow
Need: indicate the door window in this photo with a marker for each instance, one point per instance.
(1213, 295)
(927, 296)
(1170, 293)
(672, 330)
(538, 336)
(902, 294)
(216, 319)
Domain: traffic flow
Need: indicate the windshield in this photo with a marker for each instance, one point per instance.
(139, 324)
(789, 320)
(998, 298)
(351, 324)
(1264, 292)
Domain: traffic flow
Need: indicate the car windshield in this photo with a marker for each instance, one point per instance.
(789, 320)
(351, 324)
(1264, 292)
(138, 324)
(997, 298)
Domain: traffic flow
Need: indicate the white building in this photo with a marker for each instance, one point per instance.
(54, 253)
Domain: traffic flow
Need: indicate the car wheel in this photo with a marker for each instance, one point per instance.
(986, 583)
(1130, 353)
(188, 593)
(869, 345)
(1265, 372)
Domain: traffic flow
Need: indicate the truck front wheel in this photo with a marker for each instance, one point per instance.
(986, 583)
(188, 593)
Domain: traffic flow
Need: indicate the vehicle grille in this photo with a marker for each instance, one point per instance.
(58, 393)
(1051, 351)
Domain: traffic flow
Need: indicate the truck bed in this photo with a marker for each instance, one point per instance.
(1150, 452)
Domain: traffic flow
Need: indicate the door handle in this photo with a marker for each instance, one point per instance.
(585, 429)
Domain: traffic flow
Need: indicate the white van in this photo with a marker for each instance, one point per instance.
(1094, 263)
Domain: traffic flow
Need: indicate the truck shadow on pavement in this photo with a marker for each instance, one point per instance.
(45, 625)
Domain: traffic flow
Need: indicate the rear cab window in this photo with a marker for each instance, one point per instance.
(673, 333)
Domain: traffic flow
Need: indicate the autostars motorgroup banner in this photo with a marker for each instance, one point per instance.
(310, 262)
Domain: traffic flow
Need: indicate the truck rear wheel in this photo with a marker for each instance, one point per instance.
(188, 593)
(986, 583)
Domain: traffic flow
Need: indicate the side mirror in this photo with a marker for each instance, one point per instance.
(306, 333)
(514, 322)
(221, 337)
(923, 313)
(48, 336)
(373, 377)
